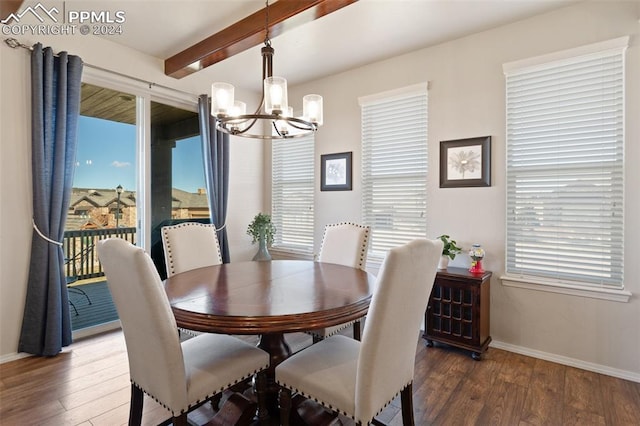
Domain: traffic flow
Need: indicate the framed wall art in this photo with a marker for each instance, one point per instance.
(465, 162)
(335, 172)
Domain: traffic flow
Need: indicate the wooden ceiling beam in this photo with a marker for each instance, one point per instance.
(7, 7)
(249, 32)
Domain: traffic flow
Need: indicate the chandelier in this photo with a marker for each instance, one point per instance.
(274, 109)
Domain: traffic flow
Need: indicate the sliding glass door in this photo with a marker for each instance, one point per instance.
(177, 174)
(138, 166)
(103, 200)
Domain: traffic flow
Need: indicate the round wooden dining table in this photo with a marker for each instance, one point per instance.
(269, 299)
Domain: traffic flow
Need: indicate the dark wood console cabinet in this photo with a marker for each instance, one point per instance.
(458, 310)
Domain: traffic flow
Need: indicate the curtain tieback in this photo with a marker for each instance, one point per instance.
(44, 237)
(221, 228)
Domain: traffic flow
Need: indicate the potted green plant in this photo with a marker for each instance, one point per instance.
(449, 251)
(262, 231)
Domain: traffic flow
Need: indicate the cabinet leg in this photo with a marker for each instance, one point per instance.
(477, 356)
(429, 343)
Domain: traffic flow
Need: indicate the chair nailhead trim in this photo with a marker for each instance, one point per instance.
(344, 413)
(324, 336)
(207, 397)
(184, 225)
(365, 242)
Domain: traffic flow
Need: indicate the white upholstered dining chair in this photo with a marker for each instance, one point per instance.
(180, 376)
(190, 245)
(346, 244)
(358, 379)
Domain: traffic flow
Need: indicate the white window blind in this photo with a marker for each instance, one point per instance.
(292, 193)
(394, 168)
(565, 169)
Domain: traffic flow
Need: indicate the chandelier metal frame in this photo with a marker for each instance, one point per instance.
(242, 124)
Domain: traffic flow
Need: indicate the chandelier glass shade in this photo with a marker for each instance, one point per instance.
(232, 118)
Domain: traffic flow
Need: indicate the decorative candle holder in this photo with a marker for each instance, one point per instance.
(476, 254)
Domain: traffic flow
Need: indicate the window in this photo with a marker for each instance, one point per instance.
(565, 168)
(394, 167)
(177, 181)
(292, 194)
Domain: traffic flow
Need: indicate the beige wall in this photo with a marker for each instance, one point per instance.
(466, 99)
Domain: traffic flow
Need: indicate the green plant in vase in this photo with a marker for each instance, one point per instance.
(262, 231)
(449, 251)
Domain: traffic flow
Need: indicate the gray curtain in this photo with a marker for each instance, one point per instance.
(55, 97)
(215, 149)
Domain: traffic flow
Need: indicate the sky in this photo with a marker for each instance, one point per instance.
(106, 157)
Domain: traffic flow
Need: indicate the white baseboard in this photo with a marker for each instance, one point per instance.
(90, 331)
(14, 356)
(80, 334)
(571, 362)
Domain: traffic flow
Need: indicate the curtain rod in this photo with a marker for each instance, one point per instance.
(13, 43)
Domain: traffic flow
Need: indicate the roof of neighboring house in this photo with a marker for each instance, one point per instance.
(189, 200)
(101, 197)
(80, 222)
(107, 197)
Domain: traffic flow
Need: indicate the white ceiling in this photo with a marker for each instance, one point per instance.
(361, 33)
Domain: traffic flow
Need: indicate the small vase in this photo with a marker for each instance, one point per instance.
(263, 253)
(444, 262)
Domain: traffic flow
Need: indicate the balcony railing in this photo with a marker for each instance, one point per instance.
(81, 256)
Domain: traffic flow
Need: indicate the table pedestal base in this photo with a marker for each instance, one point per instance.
(279, 350)
(240, 407)
(237, 410)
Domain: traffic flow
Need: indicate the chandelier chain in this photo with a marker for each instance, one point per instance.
(267, 42)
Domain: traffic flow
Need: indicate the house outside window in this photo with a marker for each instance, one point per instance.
(394, 167)
(292, 189)
(565, 168)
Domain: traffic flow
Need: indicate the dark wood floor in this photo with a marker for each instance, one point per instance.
(88, 385)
